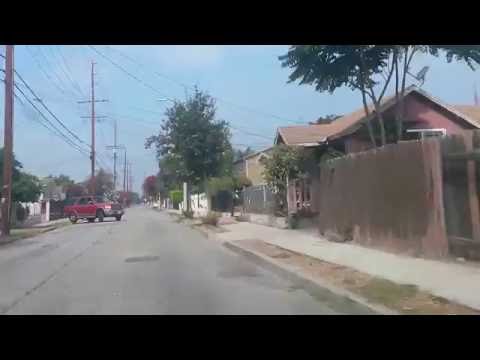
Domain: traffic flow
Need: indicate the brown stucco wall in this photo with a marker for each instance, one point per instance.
(389, 198)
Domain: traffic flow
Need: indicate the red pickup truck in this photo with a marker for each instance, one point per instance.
(91, 208)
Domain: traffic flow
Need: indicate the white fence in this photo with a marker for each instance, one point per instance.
(199, 204)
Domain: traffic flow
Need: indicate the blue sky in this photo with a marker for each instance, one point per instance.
(248, 80)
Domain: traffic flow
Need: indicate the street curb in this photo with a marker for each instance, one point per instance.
(307, 281)
(45, 229)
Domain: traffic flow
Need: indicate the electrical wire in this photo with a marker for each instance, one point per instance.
(44, 72)
(66, 90)
(130, 74)
(56, 131)
(48, 110)
(185, 86)
(68, 72)
(139, 80)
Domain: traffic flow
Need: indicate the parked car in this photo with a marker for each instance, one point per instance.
(91, 208)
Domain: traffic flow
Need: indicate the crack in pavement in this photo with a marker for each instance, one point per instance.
(29, 292)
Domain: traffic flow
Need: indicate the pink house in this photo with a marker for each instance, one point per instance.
(425, 116)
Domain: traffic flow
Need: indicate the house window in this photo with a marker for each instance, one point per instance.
(426, 133)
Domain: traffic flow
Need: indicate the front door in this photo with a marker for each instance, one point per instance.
(90, 208)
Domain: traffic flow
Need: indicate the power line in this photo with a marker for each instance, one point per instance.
(44, 72)
(49, 111)
(68, 73)
(58, 132)
(42, 54)
(185, 86)
(250, 133)
(136, 78)
(129, 73)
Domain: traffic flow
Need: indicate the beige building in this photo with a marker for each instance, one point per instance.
(251, 166)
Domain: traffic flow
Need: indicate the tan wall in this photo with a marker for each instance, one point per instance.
(255, 170)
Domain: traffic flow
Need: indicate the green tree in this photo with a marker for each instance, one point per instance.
(25, 187)
(327, 119)
(239, 154)
(284, 163)
(193, 144)
(367, 68)
(62, 180)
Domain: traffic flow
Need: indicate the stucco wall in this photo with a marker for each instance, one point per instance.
(389, 198)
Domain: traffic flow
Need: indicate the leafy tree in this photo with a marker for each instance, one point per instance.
(62, 180)
(76, 190)
(193, 145)
(25, 187)
(239, 154)
(128, 198)
(367, 68)
(284, 163)
(103, 183)
(327, 119)
(150, 186)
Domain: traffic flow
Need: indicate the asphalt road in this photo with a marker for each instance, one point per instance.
(145, 264)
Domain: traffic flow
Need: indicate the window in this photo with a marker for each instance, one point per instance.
(82, 201)
(426, 133)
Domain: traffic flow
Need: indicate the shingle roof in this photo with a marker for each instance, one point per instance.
(470, 110)
(311, 135)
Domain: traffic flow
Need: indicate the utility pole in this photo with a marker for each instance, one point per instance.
(93, 119)
(115, 147)
(92, 176)
(115, 155)
(130, 176)
(125, 172)
(7, 141)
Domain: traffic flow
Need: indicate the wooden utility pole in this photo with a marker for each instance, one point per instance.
(125, 172)
(115, 147)
(115, 155)
(130, 178)
(7, 142)
(93, 119)
(92, 156)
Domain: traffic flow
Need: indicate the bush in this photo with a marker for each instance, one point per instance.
(176, 196)
(188, 214)
(21, 213)
(211, 218)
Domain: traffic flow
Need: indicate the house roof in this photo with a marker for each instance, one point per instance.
(470, 110)
(312, 135)
(253, 154)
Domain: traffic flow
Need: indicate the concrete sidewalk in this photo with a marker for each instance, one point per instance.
(456, 282)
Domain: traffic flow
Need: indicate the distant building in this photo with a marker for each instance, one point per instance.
(251, 166)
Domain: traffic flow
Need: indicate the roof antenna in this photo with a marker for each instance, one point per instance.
(420, 75)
